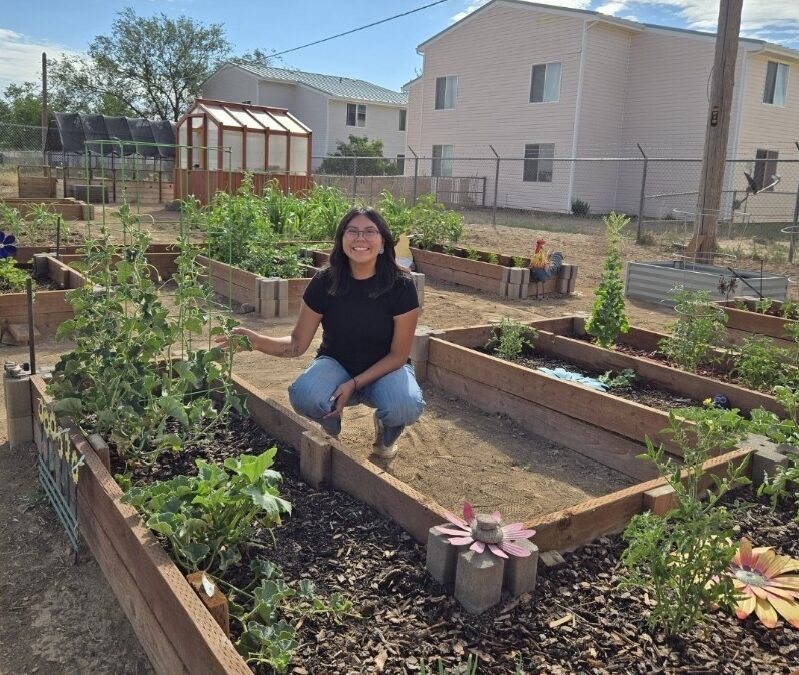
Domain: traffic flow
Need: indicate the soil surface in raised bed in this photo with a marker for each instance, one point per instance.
(39, 284)
(637, 391)
(577, 619)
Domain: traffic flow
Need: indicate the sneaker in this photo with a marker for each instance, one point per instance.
(380, 450)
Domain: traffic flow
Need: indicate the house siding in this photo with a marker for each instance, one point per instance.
(492, 55)
(769, 127)
(231, 84)
(599, 133)
(279, 95)
(311, 107)
(382, 122)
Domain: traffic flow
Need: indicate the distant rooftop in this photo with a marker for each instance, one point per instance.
(333, 85)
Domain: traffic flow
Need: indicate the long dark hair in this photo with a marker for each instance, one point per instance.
(386, 271)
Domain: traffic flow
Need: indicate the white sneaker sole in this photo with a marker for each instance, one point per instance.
(380, 450)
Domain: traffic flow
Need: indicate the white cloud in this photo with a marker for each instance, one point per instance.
(776, 20)
(22, 57)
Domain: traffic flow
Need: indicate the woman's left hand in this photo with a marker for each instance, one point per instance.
(341, 396)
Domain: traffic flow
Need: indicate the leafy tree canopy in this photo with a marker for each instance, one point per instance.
(370, 160)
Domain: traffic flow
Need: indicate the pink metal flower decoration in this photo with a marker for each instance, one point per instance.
(478, 531)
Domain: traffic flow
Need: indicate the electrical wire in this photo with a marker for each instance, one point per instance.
(355, 30)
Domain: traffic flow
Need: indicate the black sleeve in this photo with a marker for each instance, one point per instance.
(405, 298)
(316, 295)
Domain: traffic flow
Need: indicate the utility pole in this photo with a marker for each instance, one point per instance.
(45, 120)
(717, 130)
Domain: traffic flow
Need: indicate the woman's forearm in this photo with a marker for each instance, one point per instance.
(286, 346)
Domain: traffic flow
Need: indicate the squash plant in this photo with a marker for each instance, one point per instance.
(138, 375)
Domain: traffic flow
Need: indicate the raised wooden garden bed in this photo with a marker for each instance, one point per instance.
(174, 626)
(501, 277)
(599, 425)
(51, 308)
(68, 208)
(271, 297)
(771, 324)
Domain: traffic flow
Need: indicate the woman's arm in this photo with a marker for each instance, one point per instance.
(404, 330)
(295, 344)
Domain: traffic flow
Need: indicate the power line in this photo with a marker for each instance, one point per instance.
(355, 30)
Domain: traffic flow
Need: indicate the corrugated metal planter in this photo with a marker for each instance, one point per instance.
(653, 281)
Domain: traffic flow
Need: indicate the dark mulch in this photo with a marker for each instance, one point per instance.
(638, 391)
(401, 617)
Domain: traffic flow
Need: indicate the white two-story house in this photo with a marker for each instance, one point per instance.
(539, 83)
(333, 107)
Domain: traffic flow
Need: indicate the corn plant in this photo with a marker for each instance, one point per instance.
(608, 316)
(681, 558)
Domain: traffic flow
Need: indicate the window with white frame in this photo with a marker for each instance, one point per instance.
(538, 162)
(545, 82)
(401, 164)
(446, 92)
(356, 115)
(403, 117)
(776, 89)
(442, 160)
(765, 170)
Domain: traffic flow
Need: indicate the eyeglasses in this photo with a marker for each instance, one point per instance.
(369, 233)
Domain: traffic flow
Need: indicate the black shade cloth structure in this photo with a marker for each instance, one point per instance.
(68, 133)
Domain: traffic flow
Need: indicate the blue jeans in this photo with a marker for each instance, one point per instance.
(396, 396)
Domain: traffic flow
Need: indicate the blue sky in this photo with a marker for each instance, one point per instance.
(385, 55)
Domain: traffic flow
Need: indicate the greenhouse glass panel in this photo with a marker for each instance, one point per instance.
(243, 118)
(255, 151)
(234, 139)
(183, 160)
(290, 124)
(278, 147)
(299, 155)
(267, 120)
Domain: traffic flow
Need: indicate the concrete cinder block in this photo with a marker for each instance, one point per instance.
(524, 291)
(519, 275)
(20, 430)
(660, 500)
(551, 559)
(505, 274)
(521, 573)
(18, 396)
(283, 290)
(572, 284)
(419, 283)
(478, 580)
(503, 289)
(578, 324)
(563, 286)
(765, 462)
(40, 266)
(442, 558)
(514, 291)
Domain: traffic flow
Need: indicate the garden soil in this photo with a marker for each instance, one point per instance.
(58, 617)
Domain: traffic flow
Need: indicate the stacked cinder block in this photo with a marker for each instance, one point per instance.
(515, 283)
(273, 297)
(19, 409)
(418, 282)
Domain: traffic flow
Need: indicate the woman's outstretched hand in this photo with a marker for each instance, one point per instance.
(341, 396)
(236, 343)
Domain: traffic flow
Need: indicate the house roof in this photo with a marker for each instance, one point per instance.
(332, 85)
(625, 23)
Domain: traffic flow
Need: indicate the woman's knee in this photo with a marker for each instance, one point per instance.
(405, 409)
(307, 398)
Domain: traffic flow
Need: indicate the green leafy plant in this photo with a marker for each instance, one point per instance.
(138, 375)
(784, 484)
(519, 261)
(472, 254)
(758, 363)
(511, 338)
(700, 326)
(493, 258)
(621, 380)
(433, 224)
(12, 278)
(789, 310)
(580, 208)
(681, 558)
(208, 518)
(608, 316)
(763, 305)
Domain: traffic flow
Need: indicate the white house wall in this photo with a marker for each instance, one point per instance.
(279, 95)
(492, 54)
(231, 84)
(599, 132)
(382, 122)
(310, 106)
(769, 127)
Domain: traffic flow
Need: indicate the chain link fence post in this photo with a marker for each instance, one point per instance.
(792, 246)
(354, 177)
(642, 197)
(496, 188)
(415, 172)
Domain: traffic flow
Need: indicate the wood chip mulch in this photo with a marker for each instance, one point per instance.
(576, 620)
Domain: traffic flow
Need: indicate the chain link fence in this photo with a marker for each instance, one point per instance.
(760, 195)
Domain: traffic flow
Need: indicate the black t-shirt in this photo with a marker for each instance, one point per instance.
(357, 330)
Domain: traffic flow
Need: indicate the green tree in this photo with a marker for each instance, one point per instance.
(22, 104)
(370, 160)
(147, 66)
